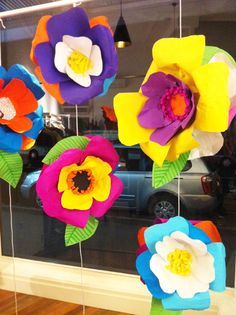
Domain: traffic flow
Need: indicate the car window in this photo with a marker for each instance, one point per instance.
(131, 160)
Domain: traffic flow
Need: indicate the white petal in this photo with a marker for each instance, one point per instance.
(158, 267)
(188, 286)
(196, 246)
(96, 60)
(203, 268)
(209, 143)
(62, 52)
(221, 57)
(82, 79)
(82, 44)
(167, 246)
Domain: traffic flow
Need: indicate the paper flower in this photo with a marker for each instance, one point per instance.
(76, 58)
(183, 104)
(20, 117)
(179, 262)
(80, 183)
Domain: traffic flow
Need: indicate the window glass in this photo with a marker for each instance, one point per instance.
(207, 185)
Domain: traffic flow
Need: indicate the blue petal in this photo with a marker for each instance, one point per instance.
(106, 85)
(38, 124)
(9, 140)
(217, 250)
(30, 80)
(151, 281)
(198, 234)
(4, 75)
(200, 301)
(156, 232)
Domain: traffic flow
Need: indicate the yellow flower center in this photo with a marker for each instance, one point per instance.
(78, 62)
(81, 182)
(180, 262)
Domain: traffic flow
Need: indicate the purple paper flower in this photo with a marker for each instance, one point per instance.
(76, 58)
(169, 107)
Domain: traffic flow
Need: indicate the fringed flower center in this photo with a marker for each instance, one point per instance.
(180, 262)
(81, 182)
(176, 103)
(7, 109)
(79, 63)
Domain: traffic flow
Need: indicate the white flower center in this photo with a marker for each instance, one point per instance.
(7, 109)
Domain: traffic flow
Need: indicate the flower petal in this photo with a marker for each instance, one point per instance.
(44, 54)
(217, 250)
(203, 268)
(20, 124)
(143, 268)
(155, 151)
(156, 85)
(73, 22)
(76, 202)
(82, 44)
(188, 52)
(210, 143)
(9, 141)
(213, 105)
(96, 60)
(62, 52)
(98, 209)
(200, 301)
(102, 189)
(156, 232)
(82, 79)
(62, 180)
(151, 116)
(127, 108)
(164, 134)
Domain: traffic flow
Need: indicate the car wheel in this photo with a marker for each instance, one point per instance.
(163, 206)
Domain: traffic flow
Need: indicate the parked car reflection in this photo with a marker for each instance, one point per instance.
(200, 189)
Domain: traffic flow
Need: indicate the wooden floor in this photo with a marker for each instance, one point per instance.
(32, 305)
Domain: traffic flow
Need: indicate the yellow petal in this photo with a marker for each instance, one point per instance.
(65, 171)
(213, 106)
(98, 167)
(186, 52)
(181, 143)
(72, 201)
(127, 107)
(152, 69)
(155, 151)
(102, 189)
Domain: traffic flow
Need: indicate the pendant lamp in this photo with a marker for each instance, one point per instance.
(121, 35)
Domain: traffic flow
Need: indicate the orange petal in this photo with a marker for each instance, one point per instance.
(20, 124)
(210, 229)
(100, 20)
(52, 89)
(140, 236)
(27, 143)
(21, 97)
(41, 35)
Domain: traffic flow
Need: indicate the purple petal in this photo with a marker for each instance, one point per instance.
(163, 135)
(73, 93)
(101, 36)
(152, 115)
(98, 209)
(73, 22)
(44, 54)
(157, 84)
(103, 149)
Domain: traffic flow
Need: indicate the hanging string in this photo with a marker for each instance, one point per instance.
(13, 250)
(80, 245)
(180, 35)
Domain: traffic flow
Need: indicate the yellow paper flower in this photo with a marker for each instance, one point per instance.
(81, 184)
(181, 102)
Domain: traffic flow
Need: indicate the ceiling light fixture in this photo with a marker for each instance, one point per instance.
(121, 35)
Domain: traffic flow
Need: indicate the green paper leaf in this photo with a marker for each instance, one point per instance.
(73, 142)
(74, 235)
(168, 171)
(157, 309)
(11, 167)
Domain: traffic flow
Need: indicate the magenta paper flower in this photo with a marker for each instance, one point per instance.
(168, 109)
(79, 183)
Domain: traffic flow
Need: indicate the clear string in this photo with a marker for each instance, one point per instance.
(13, 250)
(180, 35)
(80, 244)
